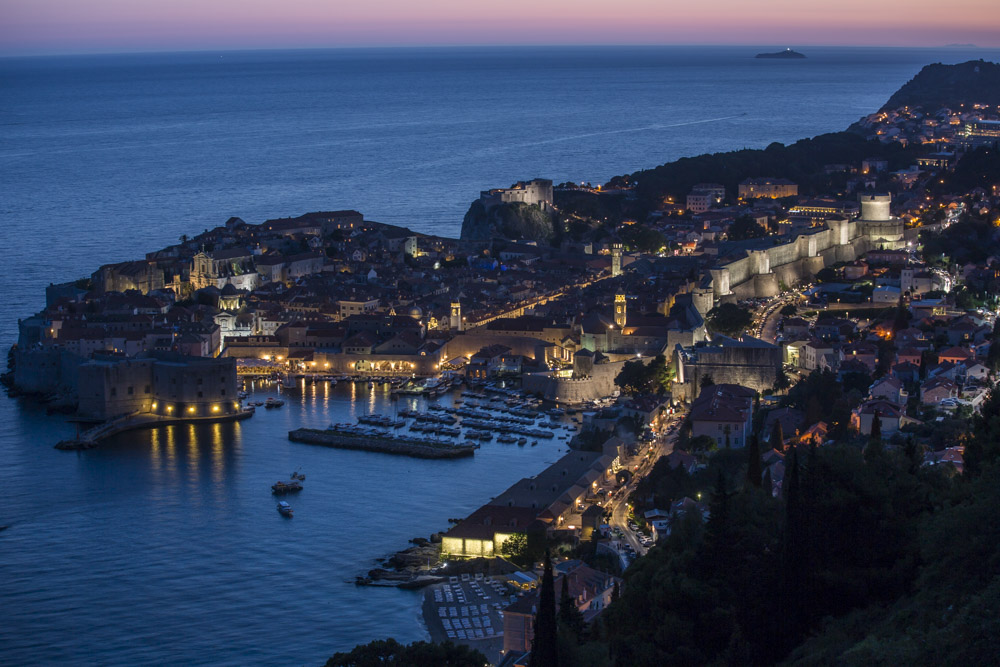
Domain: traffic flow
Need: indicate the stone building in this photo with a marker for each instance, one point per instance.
(166, 384)
(773, 188)
(747, 361)
(537, 192)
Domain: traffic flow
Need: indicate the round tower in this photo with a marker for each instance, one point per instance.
(875, 207)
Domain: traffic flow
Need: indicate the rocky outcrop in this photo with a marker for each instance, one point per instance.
(514, 221)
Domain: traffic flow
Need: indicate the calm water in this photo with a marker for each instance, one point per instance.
(165, 546)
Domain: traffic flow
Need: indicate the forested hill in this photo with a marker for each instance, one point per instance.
(937, 86)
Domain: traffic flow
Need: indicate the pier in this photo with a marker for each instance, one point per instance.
(93, 436)
(424, 449)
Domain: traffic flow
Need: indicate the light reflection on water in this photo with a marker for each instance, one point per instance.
(168, 539)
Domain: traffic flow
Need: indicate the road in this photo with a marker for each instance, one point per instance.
(661, 446)
(767, 329)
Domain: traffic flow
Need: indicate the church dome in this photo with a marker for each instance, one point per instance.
(415, 312)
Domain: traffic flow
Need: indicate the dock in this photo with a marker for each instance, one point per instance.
(423, 449)
(91, 437)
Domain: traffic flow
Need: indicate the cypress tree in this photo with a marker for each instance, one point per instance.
(793, 571)
(768, 483)
(544, 647)
(777, 436)
(876, 427)
(569, 616)
(753, 462)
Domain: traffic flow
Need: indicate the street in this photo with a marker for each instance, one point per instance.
(649, 454)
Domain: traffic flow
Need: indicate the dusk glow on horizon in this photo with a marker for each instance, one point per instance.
(71, 26)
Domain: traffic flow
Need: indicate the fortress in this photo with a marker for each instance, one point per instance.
(537, 191)
(758, 267)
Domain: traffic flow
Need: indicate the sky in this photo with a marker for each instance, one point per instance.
(88, 26)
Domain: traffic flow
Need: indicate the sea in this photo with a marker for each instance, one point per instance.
(164, 547)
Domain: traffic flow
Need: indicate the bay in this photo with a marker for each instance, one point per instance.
(164, 547)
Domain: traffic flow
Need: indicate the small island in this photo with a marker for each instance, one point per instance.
(787, 53)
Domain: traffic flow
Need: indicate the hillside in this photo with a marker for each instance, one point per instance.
(937, 86)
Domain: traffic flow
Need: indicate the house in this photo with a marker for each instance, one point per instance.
(971, 369)
(864, 352)
(817, 354)
(484, 363)
(723, 412)
(937, 389)
(889, 389)
(795, 328)
(886, 295)
(679, 457)
(911, 355)
(891, 417)
(906, 372)
(835, 329)
(956, 354)
(590, 590)
(954, 456)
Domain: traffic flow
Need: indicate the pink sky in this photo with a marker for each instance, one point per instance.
(66, 26)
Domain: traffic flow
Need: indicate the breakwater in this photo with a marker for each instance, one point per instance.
(90, 438)
(424, 449)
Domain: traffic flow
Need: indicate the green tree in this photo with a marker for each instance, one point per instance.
(570, 616)
(745, 227)
(729, 319)
(544, 646)
(515, 547)
(389, 652)
(753, 462)
(993, 358)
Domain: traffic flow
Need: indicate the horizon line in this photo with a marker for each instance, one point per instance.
(389, 47)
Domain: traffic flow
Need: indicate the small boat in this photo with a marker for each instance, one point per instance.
(522, 442)
(257, 403)
(284, 508)
(281, 488)
(272, 402)
(298, 476)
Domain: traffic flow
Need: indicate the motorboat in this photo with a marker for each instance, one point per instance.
(272, 402)
(284, 508)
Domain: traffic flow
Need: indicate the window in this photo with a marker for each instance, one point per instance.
(147, 389)
(114, 391)
(199, 394)
(130, 391)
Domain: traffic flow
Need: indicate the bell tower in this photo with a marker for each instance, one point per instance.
(616, 260)
(620, 310)
(456, 316)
